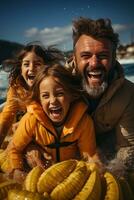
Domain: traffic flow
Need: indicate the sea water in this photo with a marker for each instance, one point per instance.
(128, 68)
(3, 85)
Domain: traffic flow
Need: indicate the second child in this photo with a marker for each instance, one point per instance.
(57, 120)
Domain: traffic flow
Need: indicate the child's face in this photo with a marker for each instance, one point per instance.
(31, 64)
(54, 99)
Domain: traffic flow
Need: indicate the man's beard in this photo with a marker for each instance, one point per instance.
(94, 91)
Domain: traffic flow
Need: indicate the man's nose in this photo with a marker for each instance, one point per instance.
(93, 61)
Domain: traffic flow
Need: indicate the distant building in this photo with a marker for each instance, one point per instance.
(125, 52)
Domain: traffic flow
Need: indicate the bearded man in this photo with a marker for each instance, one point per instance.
(110, 96)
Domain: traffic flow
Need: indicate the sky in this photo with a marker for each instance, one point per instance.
(50, 22)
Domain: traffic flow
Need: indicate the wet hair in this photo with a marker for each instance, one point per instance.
(71, 83)
(100, 28)
(49, 55)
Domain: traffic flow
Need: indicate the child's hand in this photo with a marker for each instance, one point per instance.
(48, 160)
(95, 162)
(33, 157)
(19, 175)
(101, 167)
(36, 156)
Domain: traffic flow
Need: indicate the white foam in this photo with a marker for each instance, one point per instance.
(126, 61)
(130, 78)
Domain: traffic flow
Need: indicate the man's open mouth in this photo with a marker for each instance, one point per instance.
(98, 74)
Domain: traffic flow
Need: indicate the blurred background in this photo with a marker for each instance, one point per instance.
(50, 22)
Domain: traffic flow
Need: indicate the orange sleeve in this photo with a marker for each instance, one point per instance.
(87, 140)
(21, 139)
(8, 113)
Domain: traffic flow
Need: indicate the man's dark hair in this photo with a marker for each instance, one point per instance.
(100, 28)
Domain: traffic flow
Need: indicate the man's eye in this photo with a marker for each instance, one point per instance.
(85, 56)
(59, 94)
(103, 56)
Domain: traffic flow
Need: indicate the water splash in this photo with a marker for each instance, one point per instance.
(116, 167)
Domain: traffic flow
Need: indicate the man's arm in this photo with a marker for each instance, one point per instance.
(125, 133)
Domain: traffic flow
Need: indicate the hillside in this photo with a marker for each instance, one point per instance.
(8, 49)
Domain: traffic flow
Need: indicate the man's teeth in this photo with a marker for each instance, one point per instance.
(94, 73)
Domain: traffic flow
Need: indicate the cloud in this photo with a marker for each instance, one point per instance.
(60, 36)
(31, 32)
(122, 27)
